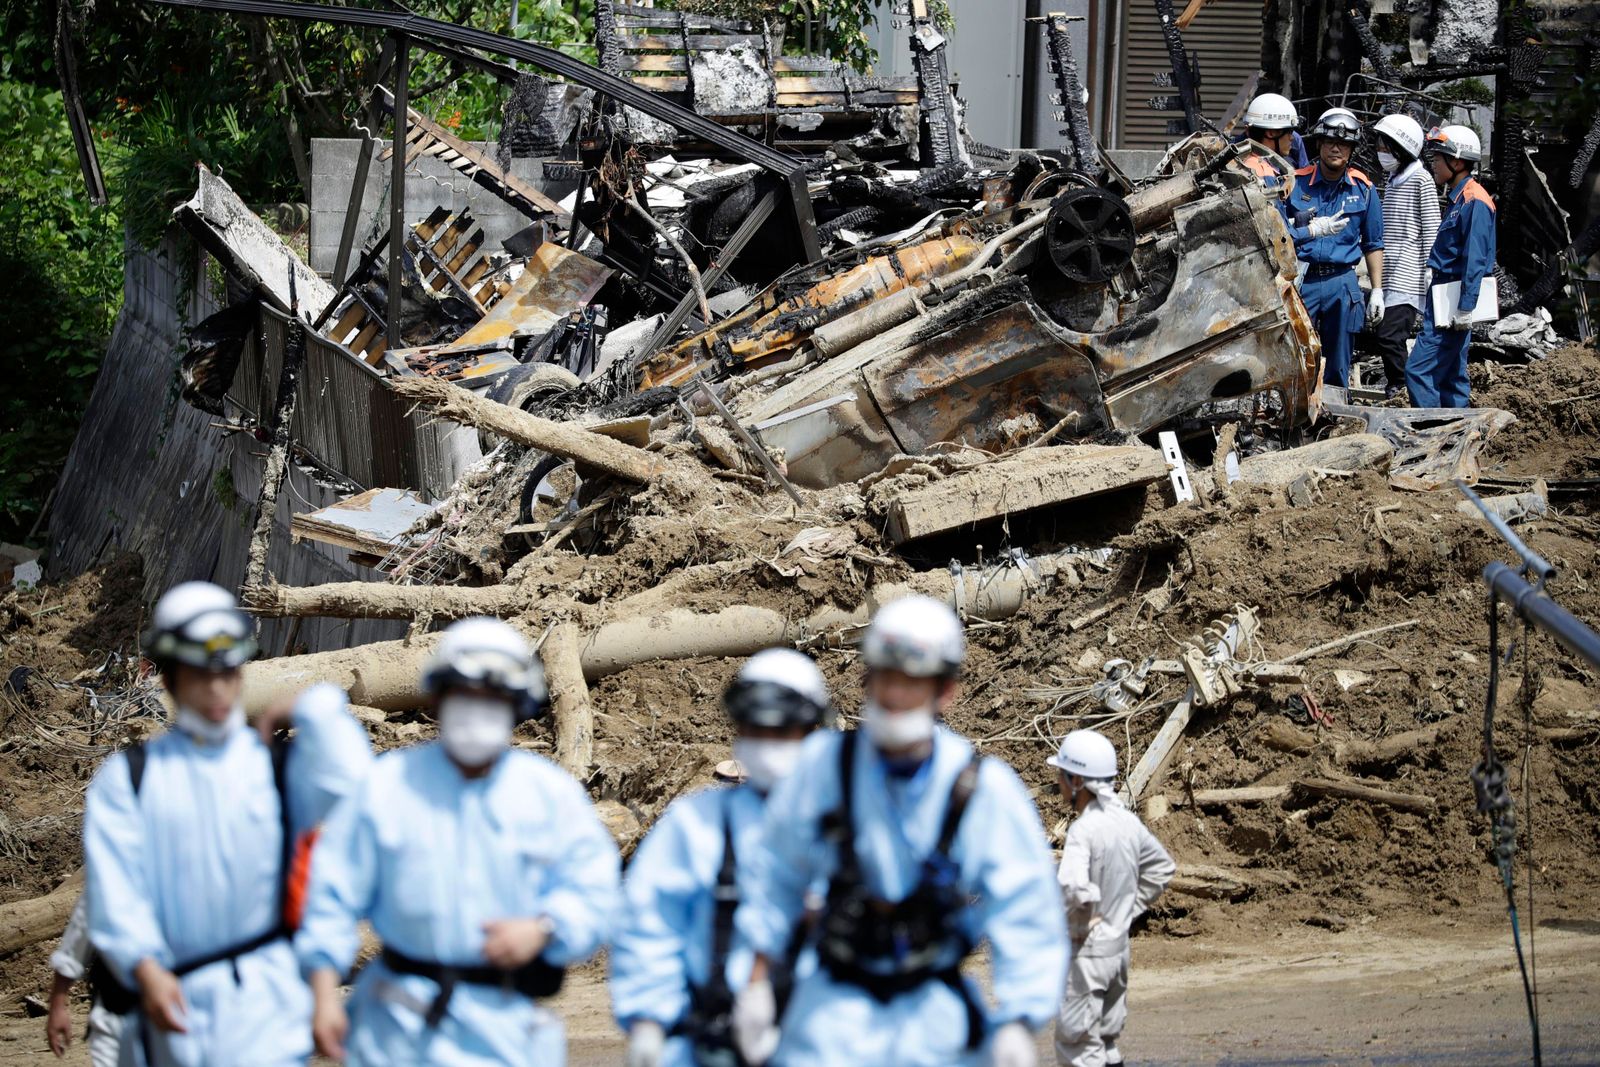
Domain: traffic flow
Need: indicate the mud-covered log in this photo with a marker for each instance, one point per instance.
(1225, 883)
(569, 699)
(456, 404)
(1249, 794)
(1344, 789)
(1361, 451)
(386, 674)
(1349, 752)
(27, 922)
(380, 600)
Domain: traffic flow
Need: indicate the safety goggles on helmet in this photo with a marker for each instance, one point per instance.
(217, 639)
(493, 671)
(1341, 129)
(773, 705)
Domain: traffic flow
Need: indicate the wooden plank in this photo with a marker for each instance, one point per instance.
(430, 225)
(857, 101)
(353, 314)
(654, 61)
(1025, 480)
(465, 252)
(1152, 765)
(363, 339)
(804, 65)
(673, 42)
(507, 186)
(631, 17)
(658, 85)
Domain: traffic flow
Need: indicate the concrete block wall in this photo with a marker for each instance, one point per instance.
(429, 183)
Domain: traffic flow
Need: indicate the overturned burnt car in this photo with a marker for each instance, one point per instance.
(1074, 308)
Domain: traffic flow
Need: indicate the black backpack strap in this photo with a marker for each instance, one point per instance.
(839, 825)
(135, 754)
(280, 781)
(726, 895)
(960, 793)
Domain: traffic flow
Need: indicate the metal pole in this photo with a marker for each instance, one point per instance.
(397, 187)
(516, 12)
(750, 442)
(358, 185)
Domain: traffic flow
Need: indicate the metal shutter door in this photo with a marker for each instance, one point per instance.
(1225, 35)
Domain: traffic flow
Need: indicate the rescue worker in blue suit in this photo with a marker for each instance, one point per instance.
(927, 851)
(189, 839)
(483, 869)
(1336, 219)
(676, 962)
(1436, 373)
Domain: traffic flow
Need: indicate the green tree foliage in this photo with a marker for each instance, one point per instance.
(62, 262)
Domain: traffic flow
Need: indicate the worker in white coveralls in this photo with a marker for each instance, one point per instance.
(1112, 870)
(483, 868)
(74, 960)
(927, 850)
(677, 962)
(190, 840)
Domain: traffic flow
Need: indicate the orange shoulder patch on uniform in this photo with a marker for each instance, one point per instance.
(1360, 177)
(1303, 171)
(1473, 191)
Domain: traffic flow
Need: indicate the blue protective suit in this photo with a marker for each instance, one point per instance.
(1436, 373)
(1330, 290)
(429, 856)
(1002, 863)
(663, 950)
(191, 865)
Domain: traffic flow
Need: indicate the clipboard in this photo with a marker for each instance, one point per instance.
(1447, 298)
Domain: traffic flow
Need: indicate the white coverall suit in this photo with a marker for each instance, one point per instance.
(191, 864)
(1112, 870)
(1003, 867)
(71, 961)
(429, 856)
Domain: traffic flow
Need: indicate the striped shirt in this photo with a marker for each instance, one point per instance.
(1410, 223)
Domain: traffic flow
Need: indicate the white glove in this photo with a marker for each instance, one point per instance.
(755, 1022)
(1323, 227)
(1013, 1047)
(1461, 320)
(1375, 307)
(646, 1043)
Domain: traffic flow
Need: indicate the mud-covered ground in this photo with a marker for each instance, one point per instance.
(1363, 557)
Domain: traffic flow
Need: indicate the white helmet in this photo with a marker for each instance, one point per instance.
(1403, 130)
(778, 687)
(485, 653)
(1457, 141)
(1338, 124)
(1087, 755)
(200, 625)
(916, 635)
(1269, 111)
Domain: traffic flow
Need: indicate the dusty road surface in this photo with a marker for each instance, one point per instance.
(1419, 993)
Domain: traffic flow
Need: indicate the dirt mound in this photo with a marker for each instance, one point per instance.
(1557, 406)
(68, 661)
(1360, 557)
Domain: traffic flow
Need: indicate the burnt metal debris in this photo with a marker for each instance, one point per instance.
(771, 258)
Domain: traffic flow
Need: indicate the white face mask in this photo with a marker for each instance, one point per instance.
(892, 731)
(475, 730)
(202, 731)
(766, 761)
(1387, 162)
